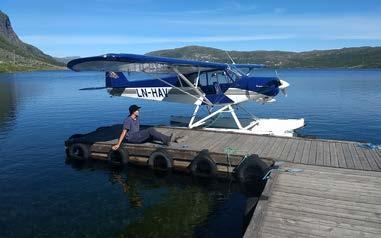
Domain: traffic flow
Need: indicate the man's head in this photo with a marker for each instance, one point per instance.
(134, 110)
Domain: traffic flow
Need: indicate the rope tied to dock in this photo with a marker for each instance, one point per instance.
(229, 150)
(277, 167)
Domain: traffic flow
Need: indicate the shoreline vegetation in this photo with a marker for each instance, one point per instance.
(353, 57)
(17, 56)
(346, 58)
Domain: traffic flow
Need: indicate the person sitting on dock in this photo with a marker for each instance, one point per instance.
(132, 134)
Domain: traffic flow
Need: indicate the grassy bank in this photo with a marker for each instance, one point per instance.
(11, 68)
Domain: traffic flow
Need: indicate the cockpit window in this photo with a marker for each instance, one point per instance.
(209, 78)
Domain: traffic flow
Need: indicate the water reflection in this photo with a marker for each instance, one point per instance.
(188, 207)
(7, 101)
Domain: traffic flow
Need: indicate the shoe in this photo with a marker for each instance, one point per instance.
(180, 139)
(171, 137)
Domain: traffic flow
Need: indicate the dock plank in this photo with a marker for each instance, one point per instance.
(300, 150)
(279, 148)
(355, 157)
(254, 149)
(347, 155)
(269, 148)
(313, 152)
(319, 153)
(333, 155)
(287, 149)
(306, 152)
(364, 162)
(248, 144)
(258, 150)
(376, 157)
(326, 154)
(292, 152)
(340, 155)
(371, 160)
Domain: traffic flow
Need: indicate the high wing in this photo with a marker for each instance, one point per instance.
(148, 64)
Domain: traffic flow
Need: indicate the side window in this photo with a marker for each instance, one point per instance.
(213, 77)
(203, 80)
(218, 76)
(223, 78)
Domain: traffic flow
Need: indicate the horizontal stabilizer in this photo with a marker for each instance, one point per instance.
(92, 88)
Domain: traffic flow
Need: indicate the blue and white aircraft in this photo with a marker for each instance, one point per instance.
(219, 87)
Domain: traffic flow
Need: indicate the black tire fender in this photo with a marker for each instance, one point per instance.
(251, 169)
(160, 160)
(118, 157)
(79, 151)
(203, 165)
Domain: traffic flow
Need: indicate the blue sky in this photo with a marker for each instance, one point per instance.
(85, 28)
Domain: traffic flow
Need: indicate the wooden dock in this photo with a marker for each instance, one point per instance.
(338, 193)
(319, 202)
(330, 153)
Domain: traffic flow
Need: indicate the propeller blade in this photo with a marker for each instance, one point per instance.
(283, 87)
(92, 88)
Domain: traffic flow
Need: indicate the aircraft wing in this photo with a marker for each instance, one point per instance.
(142, 63)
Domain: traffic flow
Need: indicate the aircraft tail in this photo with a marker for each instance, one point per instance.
(116, 79)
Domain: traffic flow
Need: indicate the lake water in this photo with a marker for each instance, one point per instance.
(41, 195)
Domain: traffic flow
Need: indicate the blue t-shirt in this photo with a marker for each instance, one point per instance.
(131, 125)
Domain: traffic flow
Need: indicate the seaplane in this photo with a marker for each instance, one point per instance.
(218, 87)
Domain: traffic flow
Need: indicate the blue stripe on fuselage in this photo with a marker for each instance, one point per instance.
(119, 80)
(268, 86)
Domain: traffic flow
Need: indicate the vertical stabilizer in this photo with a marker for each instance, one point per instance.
(116, 80)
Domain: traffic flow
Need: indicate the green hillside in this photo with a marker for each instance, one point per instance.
(16, 55)
(356, 57)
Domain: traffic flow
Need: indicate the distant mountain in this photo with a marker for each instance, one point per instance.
(355, 57)
(16, 55)
(65, 60)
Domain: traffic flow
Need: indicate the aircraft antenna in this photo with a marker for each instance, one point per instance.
(230, 57)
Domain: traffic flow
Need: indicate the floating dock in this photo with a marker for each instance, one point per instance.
(336, 193)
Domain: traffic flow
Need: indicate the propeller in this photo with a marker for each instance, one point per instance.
(92, 88)
(283, 85)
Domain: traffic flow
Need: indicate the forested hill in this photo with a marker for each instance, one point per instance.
(354, 57)
(16, 55)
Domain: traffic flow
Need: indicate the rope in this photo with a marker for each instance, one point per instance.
(228, 151)
(286, 170)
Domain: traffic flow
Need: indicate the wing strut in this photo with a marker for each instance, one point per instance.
(199, 100)
(193, 87)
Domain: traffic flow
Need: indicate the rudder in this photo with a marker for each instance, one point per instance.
(116, 80)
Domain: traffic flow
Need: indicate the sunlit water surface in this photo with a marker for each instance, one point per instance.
(42, 196)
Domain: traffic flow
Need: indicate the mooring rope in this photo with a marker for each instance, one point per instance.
(285, 170)
(229, 151)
